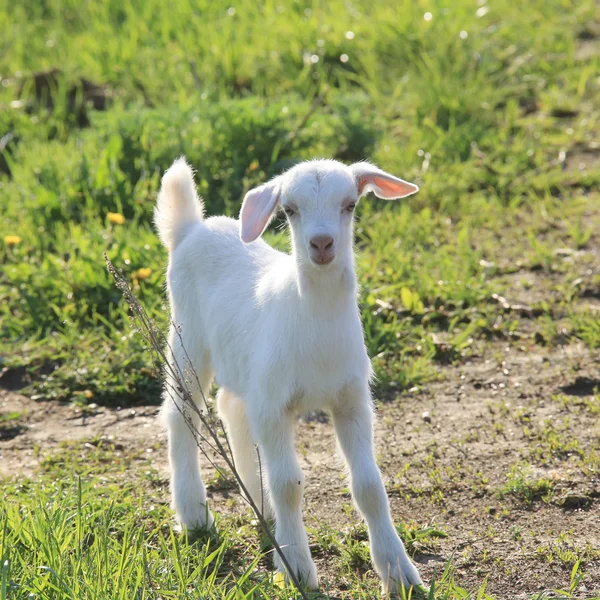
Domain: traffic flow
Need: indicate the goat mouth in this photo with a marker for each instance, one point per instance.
(321, 261)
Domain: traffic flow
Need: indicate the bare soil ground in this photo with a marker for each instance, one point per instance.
(446, 451)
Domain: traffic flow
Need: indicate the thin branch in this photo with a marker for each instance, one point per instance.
(178, 387)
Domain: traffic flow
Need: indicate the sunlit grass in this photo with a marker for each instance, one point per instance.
(489, 107)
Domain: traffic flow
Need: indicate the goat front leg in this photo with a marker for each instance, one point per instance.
(286, 488)
(353, 422)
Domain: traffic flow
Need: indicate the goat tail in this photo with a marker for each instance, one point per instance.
(178, 205)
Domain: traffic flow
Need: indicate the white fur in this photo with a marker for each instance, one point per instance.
(281, 335)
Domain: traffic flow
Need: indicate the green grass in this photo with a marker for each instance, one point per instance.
(417, 96)
(488, 107)
(77, 535)
(111, 544)
(525, 487)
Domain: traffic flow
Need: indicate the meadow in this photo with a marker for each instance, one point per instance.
(480, 295)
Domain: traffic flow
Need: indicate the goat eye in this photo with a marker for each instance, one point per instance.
(290, 212)
(350, 207)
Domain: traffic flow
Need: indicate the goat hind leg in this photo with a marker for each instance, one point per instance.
(232, 411)
(188, 493)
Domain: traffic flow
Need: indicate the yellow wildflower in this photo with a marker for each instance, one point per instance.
(253, 165)
(143, 273)
(88, 394)
(116, 218)
(12, 240)
(279, 579)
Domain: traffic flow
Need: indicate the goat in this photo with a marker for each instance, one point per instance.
(282, 335)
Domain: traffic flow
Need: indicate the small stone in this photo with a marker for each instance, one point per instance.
(564, 252)
(426, 416)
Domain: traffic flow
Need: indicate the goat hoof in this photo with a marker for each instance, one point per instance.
(196, 519)
(397, 572)
(302, 566)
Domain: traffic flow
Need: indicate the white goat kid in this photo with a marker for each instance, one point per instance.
(282, 335)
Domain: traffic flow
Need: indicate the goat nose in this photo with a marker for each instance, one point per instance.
(321, 242)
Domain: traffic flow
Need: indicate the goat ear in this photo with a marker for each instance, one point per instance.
(257, 210)
(371, 179)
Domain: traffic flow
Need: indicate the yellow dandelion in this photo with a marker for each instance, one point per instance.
(143, 273)
(88, 394)
(116, 218)
(279, 579)
(12, 240)
(253, 165)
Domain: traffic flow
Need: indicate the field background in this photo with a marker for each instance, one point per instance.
(480, 295)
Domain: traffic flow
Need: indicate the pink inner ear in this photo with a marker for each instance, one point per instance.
(386, 186)
(257, 211)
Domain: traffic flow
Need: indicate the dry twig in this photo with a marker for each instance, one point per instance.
(210, 422)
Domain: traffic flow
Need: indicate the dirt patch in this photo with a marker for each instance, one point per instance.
(587, 49)
(450, 453)
(583, 161)
(487, 417)
(41, 427)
